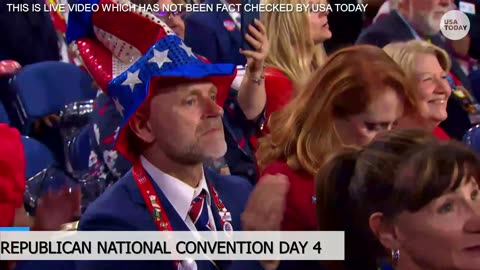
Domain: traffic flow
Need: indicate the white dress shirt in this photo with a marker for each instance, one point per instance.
(238, 79)
(178, 193)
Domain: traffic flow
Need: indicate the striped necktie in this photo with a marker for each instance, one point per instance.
(199, 213)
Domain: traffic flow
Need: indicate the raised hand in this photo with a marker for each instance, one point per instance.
(266, 205)
(265, 208)
(57, 208)
(257, 37)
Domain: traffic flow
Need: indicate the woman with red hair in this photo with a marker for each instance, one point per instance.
(358, 93)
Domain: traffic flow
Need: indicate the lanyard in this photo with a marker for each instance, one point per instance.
(143, 181)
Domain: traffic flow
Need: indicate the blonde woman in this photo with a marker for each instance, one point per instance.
(296, 50)
(426, 67)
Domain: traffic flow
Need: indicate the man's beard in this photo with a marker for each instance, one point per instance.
(194, 153)
(200, 151)
(429, 24)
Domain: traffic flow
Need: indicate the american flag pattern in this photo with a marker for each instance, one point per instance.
(199, 213)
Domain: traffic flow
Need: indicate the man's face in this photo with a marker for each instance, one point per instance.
(185, 123)
(425, 15)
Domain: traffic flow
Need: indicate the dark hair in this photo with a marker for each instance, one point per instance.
(402, 171)
(355, 183)
(430, 173)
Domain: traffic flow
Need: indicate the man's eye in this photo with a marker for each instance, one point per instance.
(190, 102)
(372, 126)
(474, 195)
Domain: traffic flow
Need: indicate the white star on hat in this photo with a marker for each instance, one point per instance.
(160, 58)
(118, 106)
(132, 79)
(187, 49)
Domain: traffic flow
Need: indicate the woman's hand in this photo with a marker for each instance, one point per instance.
(265, 208)
(9, 67)
(57, 208)
(48, 121)
(257, 38)
(266, 204)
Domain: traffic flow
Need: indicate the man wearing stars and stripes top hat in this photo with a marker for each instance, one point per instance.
(172, 123)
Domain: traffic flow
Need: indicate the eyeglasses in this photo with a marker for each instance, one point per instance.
(167, 15)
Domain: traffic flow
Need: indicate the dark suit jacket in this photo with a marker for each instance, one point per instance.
(474, 30)
(27, 37)
(475, 35)
(392, 28)
(206, 34)
(122, 208)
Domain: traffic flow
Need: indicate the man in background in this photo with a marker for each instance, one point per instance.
(216, 35)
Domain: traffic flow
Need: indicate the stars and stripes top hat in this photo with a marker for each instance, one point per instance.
(124, 51)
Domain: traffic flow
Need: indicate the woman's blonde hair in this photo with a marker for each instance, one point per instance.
(303, 132)
(291, 45)
(405, 55)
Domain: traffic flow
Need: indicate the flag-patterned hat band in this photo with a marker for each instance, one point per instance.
(124, 51)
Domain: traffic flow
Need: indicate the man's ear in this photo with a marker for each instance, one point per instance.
(140, 125)
(384, 231)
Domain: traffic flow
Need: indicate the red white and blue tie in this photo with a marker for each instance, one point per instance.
(199, 212)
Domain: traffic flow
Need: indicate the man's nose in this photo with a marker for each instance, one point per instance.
(445, 3)
(212, 109)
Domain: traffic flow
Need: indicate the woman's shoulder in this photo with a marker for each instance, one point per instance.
(440, 134)
(277, 166)
(273, 72)
(281, 167)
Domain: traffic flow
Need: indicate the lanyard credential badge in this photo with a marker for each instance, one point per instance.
(468, 104)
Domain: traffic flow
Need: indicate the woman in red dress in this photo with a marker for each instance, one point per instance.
(427, 67)
(296, 50)
(358, 93)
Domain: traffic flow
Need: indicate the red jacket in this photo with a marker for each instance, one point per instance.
(278, 88)
(300, 213)
(12, 174)
(441, 134)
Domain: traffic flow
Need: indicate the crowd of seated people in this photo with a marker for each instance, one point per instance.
(363, 133)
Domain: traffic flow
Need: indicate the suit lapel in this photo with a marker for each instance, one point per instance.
(211, 179)
(175, 220)
(178, 224)
(224, 17)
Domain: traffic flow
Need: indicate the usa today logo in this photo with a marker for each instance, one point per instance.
(455, 25)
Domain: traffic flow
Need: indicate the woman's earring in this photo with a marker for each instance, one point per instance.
(395, 255)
